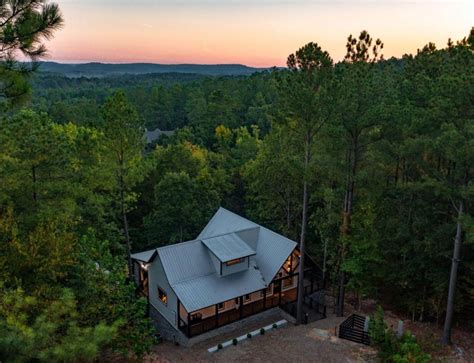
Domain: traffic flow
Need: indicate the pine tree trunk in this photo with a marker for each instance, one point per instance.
(304, 222)
(346, 222)
(125, 220)
(33, 176)
(448, 323)
(127, 240)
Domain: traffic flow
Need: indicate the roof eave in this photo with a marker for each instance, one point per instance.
(231, 259)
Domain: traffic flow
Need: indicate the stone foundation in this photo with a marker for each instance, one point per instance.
(165, 329)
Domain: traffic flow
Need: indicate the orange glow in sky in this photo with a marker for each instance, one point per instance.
(256, 33)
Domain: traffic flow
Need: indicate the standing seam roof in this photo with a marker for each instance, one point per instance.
(191, 273)
(228, 247)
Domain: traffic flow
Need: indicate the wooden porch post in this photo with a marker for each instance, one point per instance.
(264, 298)
(189, 325)
(241, 306)
(291, 262)
(179, 315)
(281, 288)
(217, 315)
(312, 280)
(298, 284)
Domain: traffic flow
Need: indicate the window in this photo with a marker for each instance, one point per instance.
(220, 306)
(162, 296)
(247, 297)
(235, 262)
(236, 301)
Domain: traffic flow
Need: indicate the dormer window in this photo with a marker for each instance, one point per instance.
(229, 253)
(235, 261)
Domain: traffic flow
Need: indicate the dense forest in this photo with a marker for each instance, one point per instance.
(366, 162)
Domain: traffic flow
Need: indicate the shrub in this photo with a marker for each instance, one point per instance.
(249, 335)
(377, 327)
(262, 331)
(219, 346)
(390, 348)
(234, 341)
(274, 326)
(410, 351)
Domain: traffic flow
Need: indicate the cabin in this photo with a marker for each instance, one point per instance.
(235, 268)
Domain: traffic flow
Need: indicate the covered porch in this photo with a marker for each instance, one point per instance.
(201, 321)
(282, 292)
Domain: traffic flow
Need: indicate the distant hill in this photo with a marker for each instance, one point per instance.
(109, 69)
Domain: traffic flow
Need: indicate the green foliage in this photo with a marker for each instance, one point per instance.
(24, 26)
(262, 331)
(51, 333)
(182, 207)
(410, 351)
(105, 294)
(38, 260)
(398, 136)
(234, 341)
(187, 191)
(390, 348)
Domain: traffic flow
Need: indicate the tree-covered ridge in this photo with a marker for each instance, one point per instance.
(97, 69)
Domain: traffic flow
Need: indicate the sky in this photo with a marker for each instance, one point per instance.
(258, 33)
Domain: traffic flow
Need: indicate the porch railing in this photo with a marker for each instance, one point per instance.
(197, 327)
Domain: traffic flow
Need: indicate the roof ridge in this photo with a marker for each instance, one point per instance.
(237, 231)
(177, 244)
(235, 214)
(278, 234)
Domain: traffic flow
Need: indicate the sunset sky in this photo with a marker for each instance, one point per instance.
(252, 32)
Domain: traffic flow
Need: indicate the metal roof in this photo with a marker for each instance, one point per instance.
(189, 269)
(186, 260)
(211, 289)
(145, 256)
(228, 247)
(225, 221)
(272, 249)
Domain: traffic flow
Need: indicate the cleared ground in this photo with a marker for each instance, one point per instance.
(314, 342)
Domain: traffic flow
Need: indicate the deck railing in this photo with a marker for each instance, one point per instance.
(197, 327)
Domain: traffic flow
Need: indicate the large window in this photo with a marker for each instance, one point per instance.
(162, 296)
(220, 306)
(235, 262)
